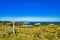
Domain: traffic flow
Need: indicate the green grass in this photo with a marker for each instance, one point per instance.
(31, 33)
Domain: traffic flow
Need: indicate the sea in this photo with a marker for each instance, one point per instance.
(32, 23)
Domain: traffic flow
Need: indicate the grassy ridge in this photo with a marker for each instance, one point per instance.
(41, 32)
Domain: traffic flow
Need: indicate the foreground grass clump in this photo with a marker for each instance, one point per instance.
(42, 32)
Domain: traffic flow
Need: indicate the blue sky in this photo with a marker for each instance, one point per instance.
(30, 10)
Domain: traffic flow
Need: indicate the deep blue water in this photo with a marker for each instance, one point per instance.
(32, 23)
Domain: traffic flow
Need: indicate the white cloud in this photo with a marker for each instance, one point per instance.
(42, 19)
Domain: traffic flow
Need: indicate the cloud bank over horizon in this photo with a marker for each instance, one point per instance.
(31, 19)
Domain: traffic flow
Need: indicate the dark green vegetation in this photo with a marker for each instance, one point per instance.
(35, 32)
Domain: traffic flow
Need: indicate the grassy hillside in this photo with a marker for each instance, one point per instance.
(40, 32)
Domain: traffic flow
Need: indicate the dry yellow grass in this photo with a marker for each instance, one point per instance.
(32, 33)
